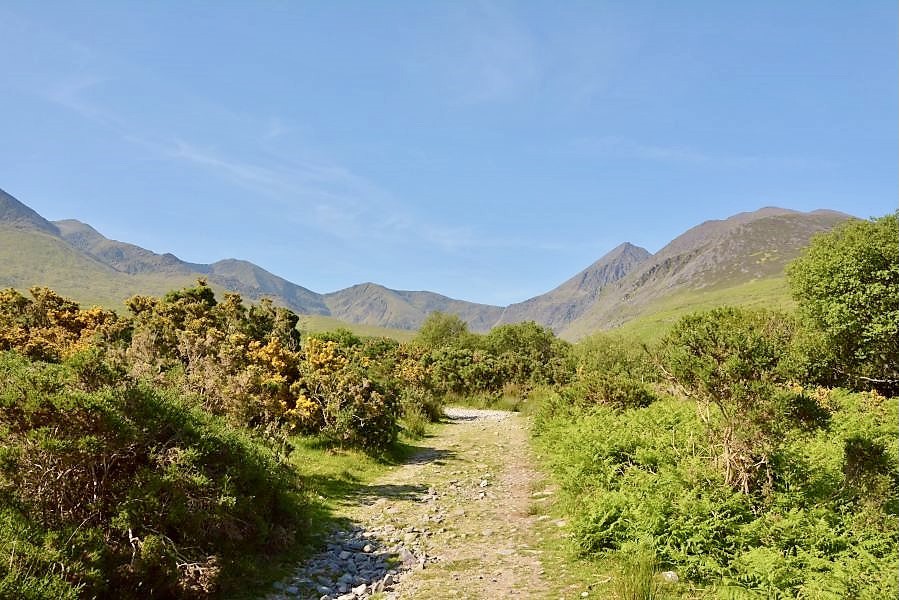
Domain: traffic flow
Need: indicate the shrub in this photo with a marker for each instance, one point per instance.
(609, 371)
(130, 489)
(846, 284)
(645, 473)
(732, 359)
(335, 398)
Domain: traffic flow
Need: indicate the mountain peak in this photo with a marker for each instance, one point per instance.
(746, 247)
(15, 214)
(560, 306)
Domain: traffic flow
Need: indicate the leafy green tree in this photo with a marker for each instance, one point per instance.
(529, 352)
(442, 329)
(342, 336)
(847, 285)
(610, 370)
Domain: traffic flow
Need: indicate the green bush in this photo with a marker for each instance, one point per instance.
(609, 371)
(131, 490)
(846, 284)
(829, 527)
(731, 360)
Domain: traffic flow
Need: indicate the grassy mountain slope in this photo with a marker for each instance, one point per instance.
(240, 276)
(706, 260)
(14, 214)
(121, 256)
(658, 316)
(320, 323)
(33, 257)
(562, 305)
(372, 304)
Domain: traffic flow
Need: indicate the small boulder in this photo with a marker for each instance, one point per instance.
(670, 577)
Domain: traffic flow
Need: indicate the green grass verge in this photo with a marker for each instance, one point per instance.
(331, 479)
(319, 324)
(656, 319)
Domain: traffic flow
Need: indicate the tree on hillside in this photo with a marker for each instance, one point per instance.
(847, 285)
(528, 351)
(442, 329)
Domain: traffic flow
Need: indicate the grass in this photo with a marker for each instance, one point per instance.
(36, 258)
(319, 323)
(638, 580)
(658, 317)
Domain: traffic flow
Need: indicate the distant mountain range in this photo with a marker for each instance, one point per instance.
(78, 261)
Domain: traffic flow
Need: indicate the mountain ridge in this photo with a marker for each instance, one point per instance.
(745, 247)
(568, 301)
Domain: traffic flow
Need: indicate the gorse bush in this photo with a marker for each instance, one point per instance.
(128, 491)
(249, 365)
(335, 398)
(730, 361)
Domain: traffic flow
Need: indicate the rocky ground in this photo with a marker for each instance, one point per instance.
(453, 522)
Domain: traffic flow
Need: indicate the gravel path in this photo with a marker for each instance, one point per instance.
(453, 522)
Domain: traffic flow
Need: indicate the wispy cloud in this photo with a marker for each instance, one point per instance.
(326, 196)
(332, 198)
(623, 148)
(274, 129)
(492, 57)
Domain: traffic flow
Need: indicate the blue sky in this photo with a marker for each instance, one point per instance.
(484, 150)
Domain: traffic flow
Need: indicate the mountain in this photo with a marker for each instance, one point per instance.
(714, 256)
(32, 253)
(254, 283)
(14, 214)
(739, 260)
(559, 307)
(121, 256)
(239, 276)
(78, 261)
(372, 304)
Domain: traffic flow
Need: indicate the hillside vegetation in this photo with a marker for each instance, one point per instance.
(186, 448)
(181, 450)
(748, 453)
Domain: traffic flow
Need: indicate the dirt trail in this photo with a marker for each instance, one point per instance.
(452, 522)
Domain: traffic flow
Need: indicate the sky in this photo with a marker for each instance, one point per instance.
(483, 150)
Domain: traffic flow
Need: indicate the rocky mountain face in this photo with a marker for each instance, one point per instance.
(557, 308)
(79, 261)
(716, 254)
(14, 214)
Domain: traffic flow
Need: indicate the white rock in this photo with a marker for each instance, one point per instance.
(670, 577)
